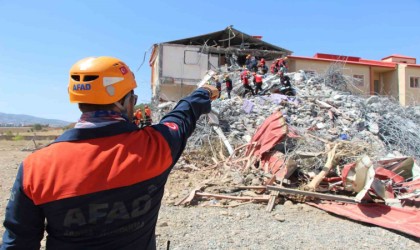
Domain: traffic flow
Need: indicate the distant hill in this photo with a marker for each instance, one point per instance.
(22, 120)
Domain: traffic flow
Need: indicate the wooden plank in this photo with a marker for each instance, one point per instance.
(189, 197)
(312, 194)
(272, 201)
(328, 165)
(230, 197)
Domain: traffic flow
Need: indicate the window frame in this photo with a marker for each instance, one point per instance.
(416, 82)
(356, 78)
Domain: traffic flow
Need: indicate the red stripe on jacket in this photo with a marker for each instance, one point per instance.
(69, 169)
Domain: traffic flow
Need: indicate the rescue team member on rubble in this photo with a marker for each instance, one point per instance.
(262, 67)
(245, 83)
(275, 66)
(100, 184)
(258, 81)
(283, 66)
(218, 85)
(251, 63)
(229, 85)
(138, 117)
(148, 114)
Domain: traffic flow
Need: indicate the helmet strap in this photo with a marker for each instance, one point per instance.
(123, 107)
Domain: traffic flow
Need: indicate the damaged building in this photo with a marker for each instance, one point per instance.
(177, 66)
(338, 143)
(396, 76)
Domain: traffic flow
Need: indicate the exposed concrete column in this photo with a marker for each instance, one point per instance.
(371, 81)
(402, 84)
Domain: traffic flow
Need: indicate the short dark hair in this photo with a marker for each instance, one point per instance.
(87, 107)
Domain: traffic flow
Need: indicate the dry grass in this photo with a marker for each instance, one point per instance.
(26, 131)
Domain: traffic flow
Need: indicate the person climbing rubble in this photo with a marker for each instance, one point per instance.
(286, 87)
(245, 83)
(218, 85)
(100, 184)
(275, 66)
(251, 63)
(283, 67)
(138, 118)
(229, 85)
(262, 67)
(258, 81)
(148, 115)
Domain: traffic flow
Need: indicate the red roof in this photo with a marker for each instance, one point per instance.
(337, 57)
(346, 59)
(399, 56)
(413, 65)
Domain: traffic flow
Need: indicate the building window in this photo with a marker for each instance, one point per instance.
(414, 82)
(359, 80)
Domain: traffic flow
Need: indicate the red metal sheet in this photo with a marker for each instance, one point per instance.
(405, 220)
(412, 185)
(272, 131)
(385, 174)
(272, 162)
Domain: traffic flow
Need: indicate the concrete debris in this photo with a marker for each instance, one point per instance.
(324, 139)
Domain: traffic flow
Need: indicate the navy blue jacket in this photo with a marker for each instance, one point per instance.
(99, 188)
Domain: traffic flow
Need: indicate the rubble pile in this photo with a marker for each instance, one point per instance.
(324, 143)
(382, 125)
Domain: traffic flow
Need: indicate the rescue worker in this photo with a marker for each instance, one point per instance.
(229, 85)
(251, 63)
(258, 81)
(245, 83)
(218, 85)
(247, 61)
(148, 115)
(262, 67)
(100, 184)
(283, 66)
(275, 66)
(138, 117)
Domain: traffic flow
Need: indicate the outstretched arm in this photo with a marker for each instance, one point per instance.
(179, 124)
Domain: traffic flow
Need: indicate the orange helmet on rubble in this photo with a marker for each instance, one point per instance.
(100, 80)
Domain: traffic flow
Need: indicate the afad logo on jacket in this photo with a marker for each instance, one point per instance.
(171, 125)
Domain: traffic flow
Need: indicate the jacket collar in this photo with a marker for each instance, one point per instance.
(77, 134)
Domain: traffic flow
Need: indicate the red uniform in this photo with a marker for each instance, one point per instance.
(244, 78)
(139, 117)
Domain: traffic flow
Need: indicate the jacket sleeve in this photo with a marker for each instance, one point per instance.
(24, 221)
(178, 125)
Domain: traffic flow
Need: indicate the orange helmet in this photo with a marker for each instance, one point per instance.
(100, 80)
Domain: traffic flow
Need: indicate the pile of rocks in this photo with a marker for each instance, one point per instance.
(319, 109)
(343, 139)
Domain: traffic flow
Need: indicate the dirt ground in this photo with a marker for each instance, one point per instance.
(249, 226)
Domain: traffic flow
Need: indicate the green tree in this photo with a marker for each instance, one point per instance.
(37, 127)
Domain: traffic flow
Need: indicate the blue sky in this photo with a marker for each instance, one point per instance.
(40, 40)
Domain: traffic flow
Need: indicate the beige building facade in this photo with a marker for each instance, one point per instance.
(177, 66)
(396, 76)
